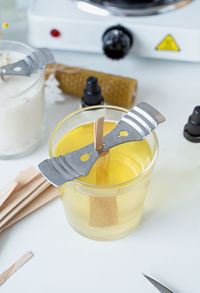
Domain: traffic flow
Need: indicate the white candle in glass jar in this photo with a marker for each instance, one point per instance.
(21, 106)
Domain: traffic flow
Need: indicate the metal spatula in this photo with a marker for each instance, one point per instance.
(135, 125)
(30, 64)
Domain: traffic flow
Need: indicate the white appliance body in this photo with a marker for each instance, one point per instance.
(78, 30)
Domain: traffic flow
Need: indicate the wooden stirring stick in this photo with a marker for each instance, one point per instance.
(46, 196)
(24, 177)
(7, 191)
(98, 133)
(103, 211)
(21, 194)
(24, 203)
(12, 269)
(25, 194)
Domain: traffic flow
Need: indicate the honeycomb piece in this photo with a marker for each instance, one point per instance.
(116, 90)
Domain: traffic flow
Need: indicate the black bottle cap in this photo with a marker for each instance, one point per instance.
(92, 93)
(117, 40)
(192, 128)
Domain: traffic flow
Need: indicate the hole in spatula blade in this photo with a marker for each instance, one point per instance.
(123, 133)
(17, 69)
(85, 157)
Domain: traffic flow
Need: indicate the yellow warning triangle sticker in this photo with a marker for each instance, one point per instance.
(168, 44)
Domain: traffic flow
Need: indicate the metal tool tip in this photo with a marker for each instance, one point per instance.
(158, 285)
(147, 277)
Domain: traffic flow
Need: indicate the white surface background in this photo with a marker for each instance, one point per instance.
(165, 245)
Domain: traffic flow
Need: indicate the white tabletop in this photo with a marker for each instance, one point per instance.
(165, 245)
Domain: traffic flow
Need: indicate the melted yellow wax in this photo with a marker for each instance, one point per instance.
(126, 161)
(123, 163)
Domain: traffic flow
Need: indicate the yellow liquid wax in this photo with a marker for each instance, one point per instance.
(107, 203)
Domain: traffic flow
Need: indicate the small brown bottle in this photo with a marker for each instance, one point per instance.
(92, 93)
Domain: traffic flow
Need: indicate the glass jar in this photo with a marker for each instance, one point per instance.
(104, 212)
(21, 105)
(8, 11)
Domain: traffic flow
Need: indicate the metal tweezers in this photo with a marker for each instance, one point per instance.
(158, 285)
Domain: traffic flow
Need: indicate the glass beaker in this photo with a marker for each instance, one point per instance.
(109, 211)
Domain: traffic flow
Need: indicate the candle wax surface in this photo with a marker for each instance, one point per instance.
(13, 85)
(126, 161)
(21, 108)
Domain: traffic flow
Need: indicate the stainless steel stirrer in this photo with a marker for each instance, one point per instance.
(134, 126)
(38, 59)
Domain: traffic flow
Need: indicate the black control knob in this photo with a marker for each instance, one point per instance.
(117, 40)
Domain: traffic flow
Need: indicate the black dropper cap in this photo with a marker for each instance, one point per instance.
(92, 93)
(192, 128)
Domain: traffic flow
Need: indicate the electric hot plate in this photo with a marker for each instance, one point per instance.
(137, 7)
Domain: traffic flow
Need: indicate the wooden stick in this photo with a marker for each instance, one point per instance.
(12, 269)
(21, 194)
(103, 211)
(21, 180)
(98, 133)
(7, 191)
(24, 203)
(26, 176)
(30, 190)
(46, 196)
